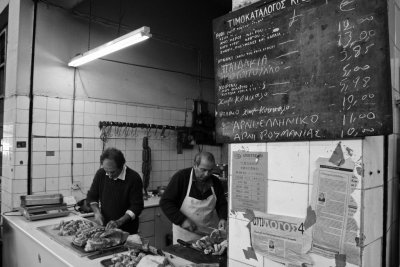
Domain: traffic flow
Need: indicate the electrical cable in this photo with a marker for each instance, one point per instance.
(90, 22)
(72, 127)
(121, 16)
(31, 93)
(157, 68)
(199, 73)
(110, 23)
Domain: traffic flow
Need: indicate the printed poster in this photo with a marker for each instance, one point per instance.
(334, 198)
(249, 181)
(281, 238)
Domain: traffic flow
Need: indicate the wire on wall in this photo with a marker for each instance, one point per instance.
(29, 163)
(121, 16)
(73, 127)
(157, 68)
(90, 23)
(199, 73)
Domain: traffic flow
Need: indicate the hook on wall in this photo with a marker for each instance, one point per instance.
(125, 129)
(148, 130)
(162, 134)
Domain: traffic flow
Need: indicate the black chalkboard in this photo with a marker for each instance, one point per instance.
(303, 70)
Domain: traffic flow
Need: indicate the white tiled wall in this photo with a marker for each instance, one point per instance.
(291, 167)
(15, 129)
(56, 134)
(52, 131)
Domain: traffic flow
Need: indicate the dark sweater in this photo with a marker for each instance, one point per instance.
(172, 199)
(118, 196)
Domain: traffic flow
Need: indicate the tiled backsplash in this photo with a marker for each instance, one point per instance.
(55, 148)
(53, 142)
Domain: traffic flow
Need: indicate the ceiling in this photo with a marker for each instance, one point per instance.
(188, 22)
(68, 4)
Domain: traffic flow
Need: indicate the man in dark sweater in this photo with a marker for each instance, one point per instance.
(118, 190)
(194, 197)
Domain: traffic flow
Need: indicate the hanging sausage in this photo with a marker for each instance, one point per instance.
(146, 164)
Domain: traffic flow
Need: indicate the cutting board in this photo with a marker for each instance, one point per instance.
(65, 241)
(195, 256)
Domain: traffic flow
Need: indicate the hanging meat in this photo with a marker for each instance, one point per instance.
(146, 164)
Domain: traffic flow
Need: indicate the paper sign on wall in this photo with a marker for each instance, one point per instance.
(336, 229)
(249, 181)
(281, 238)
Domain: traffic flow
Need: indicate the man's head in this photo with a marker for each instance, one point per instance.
(112, 161)
(204, 163)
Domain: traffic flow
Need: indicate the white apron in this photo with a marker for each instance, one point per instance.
(201, 212)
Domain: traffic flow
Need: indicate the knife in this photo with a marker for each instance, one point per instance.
(188, 245)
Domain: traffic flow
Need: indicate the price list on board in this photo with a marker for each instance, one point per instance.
(249, 181)
(303, 70)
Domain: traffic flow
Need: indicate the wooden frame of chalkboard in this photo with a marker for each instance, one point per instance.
(293, 70)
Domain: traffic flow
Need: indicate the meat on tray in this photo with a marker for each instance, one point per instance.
(138, 259)
(215, 243)
(97, 238)
(67, 228)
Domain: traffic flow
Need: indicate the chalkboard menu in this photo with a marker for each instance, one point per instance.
(302, 70)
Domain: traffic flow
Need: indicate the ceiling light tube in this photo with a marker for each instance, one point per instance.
(126, 40)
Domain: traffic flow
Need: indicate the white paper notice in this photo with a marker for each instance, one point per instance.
(249, 181)
(281, 238)
(336, 229)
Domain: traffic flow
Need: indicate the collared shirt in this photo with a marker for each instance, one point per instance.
(121, 176)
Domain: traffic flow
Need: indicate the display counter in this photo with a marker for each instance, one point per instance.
(26, 245)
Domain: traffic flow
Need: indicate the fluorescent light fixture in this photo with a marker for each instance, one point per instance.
(126, 40)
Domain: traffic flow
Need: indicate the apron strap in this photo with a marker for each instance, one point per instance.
(190, 183)
(212, 190)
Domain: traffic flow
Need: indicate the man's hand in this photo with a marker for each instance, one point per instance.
(112, 225)
(189, 225)
(117, 223)
(222, 224)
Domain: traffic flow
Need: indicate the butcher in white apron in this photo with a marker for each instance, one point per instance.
(208, 207)
(200, 212)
